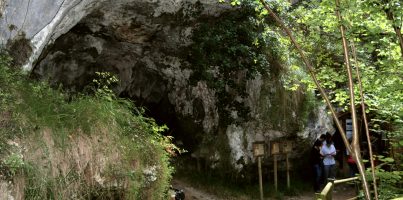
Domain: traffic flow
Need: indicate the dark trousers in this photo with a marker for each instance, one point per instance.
(317, 172)
(353, 169)
(330, 172)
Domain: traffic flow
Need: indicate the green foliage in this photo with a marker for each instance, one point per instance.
(103, 84)
(372, 26)
(379, 61)
(368, 25)
(28, 108)
(389, 176)
(378, 53)
(13, 163)
(229, 51)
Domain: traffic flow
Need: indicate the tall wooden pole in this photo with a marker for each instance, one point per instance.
(311, 71)
(288, 170)
(322, 92)
(259, 161)
(275, 171)
(355, 146)
(364, 115)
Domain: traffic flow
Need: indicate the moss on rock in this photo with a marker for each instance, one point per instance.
(20, 49)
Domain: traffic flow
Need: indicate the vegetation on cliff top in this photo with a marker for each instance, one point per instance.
(56, 146)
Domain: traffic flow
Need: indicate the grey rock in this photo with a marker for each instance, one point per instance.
(142, 41)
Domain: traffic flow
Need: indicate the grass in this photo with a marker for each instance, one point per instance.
(58, 146)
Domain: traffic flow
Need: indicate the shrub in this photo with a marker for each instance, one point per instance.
(80, 146)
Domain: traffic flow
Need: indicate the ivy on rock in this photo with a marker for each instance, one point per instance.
(229, 51)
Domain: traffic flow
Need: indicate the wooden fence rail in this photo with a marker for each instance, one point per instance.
(326, 193)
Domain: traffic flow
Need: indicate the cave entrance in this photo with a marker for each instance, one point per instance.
(184, 130)
(142, 50)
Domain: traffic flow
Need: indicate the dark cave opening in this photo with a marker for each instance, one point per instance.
(185, 132)
(74, 58)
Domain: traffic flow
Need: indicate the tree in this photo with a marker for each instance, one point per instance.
(315, 27)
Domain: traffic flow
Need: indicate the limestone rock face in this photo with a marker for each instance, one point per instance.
(144, 43)
(41, 22)
(141, 41)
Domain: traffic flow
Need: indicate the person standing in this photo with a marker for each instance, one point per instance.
(352, 165)
(328, 151)
(316, 161)
(321, 139)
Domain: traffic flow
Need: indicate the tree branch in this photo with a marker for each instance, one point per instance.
(364, 115)
(355, 143)
(311, 72)
(397, 29)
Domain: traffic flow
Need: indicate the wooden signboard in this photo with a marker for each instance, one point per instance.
(258, 149)
(287, 146)
(275, 148)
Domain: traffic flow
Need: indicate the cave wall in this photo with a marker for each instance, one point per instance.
(144, 47)
(144, 42)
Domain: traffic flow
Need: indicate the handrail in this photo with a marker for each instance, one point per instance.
(346, 180)
(326, 193)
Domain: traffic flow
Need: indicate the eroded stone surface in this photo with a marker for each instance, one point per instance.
(142, 41)
(143, 44)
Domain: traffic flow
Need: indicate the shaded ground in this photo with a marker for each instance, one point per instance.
(341, 192)
(192, 193)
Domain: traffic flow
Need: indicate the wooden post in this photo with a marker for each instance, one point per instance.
(288, 170)
(258, 151)
(259, 160)
(198, 164)
(275, 171)
(326, 193)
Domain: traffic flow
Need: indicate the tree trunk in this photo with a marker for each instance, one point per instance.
(355, 146)
(364, 115)
(355, 143)
(311, 72)
(397, 29)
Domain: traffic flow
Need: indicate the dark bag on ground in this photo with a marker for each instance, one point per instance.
(179, 194)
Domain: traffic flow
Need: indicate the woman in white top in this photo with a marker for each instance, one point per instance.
(328, 151)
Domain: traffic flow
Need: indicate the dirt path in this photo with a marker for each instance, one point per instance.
(192, 193)
(342, 192)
